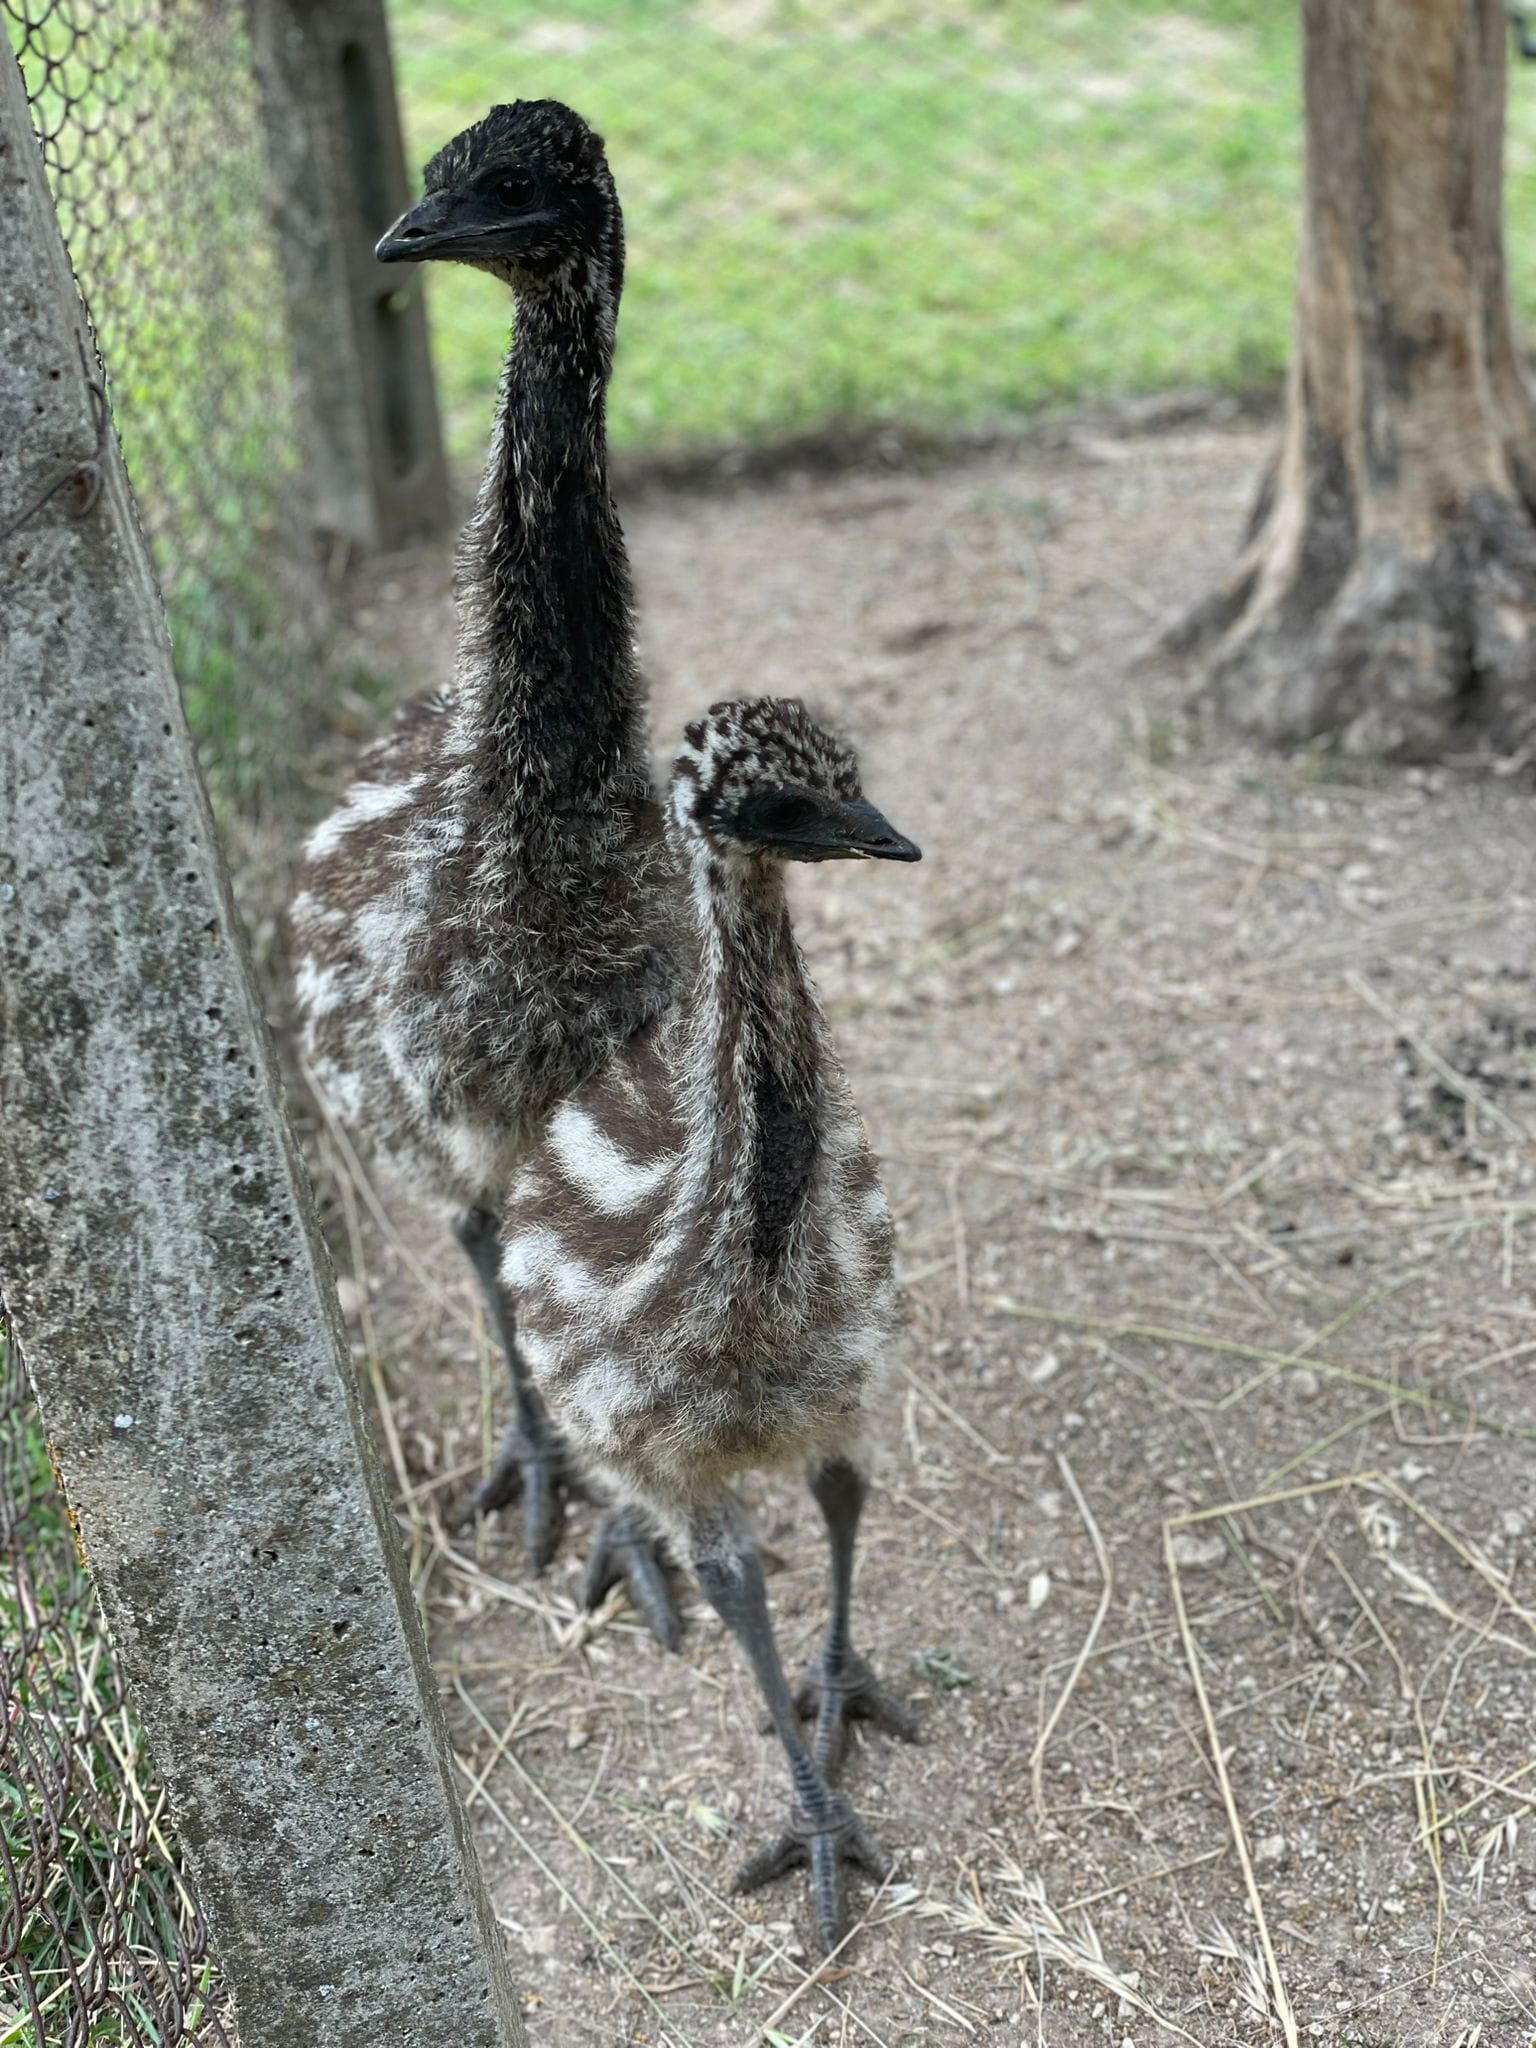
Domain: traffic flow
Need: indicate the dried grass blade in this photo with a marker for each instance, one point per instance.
(1106, 1573)
(1234, 1819)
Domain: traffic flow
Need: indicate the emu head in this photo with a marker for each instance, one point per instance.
(525, 193)
(759, 778)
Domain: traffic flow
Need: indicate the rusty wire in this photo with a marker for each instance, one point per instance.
(83, 477)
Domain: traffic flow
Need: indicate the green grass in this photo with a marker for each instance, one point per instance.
(75, 1780)
(856, 211)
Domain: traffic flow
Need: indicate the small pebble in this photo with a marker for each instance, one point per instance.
(1195, 1553)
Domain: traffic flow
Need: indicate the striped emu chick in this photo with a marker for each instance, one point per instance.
(485, 917)
(702, 1253)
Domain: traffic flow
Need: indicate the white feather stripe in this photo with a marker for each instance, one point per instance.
(591, 1161)
(319, 989)
(538, 1261)
(605, 1390)
(365, 800)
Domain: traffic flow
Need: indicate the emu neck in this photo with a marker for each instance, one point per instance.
(546, 660)
(756, 1048)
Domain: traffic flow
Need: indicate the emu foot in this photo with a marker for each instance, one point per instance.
(832, 1695)
(625, 1550)
(537, 1471)
(825, 1848)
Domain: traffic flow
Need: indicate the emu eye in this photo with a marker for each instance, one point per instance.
(515, 189)
(785, 812)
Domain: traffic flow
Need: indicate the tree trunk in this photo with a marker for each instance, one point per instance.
(1386, 597)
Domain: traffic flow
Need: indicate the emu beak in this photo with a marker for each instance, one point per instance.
(426, 229)
(869, 835)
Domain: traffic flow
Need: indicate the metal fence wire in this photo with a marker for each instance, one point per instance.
(856, 222)
(101, 1940)
(926, 217)
(147, 114)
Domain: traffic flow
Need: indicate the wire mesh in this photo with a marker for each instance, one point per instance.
(101, 1940)
(149, 123)
(934, 215)
(928, 216)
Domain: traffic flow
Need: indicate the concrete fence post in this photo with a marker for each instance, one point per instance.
(373, 445)
(163, 1274)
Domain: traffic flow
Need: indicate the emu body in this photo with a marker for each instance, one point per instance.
(700, 1246)
(486, 916)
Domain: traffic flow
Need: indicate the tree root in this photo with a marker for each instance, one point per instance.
(1407, 658)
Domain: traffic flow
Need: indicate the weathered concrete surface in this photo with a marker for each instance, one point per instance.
(373, 444)
(162, 1269)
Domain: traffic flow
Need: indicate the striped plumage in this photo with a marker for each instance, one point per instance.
(487, 914)
(698, 1241)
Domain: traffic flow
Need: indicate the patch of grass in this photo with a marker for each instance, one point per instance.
(894, 211)
(100, 1898)
(891, 210)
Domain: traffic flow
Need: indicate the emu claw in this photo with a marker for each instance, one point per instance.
(537, 1472)
(852, 1693)
(624, 1551)
(840, 1839)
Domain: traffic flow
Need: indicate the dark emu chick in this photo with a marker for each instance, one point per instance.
(485, 917)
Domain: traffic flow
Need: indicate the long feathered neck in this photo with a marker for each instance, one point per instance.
(756, 1051)
(552, 711)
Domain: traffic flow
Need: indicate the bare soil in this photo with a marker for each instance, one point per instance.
(1204, 1084)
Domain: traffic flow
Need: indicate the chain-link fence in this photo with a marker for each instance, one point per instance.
(147, 113)
(930, 216)
(926, 215)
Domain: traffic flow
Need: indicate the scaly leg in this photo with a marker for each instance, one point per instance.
(839, 1685)
(824, 1832)
(532, 1461)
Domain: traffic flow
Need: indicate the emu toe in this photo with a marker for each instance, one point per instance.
(825, 1848)
(540, 1475)
(833, 1695)
(624, 1551)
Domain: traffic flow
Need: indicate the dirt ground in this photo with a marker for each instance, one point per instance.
(1202, 1081)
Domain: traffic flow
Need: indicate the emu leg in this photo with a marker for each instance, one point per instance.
(626, 1550)
(839, 1685)
(532, 1462)
(824, 1832)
